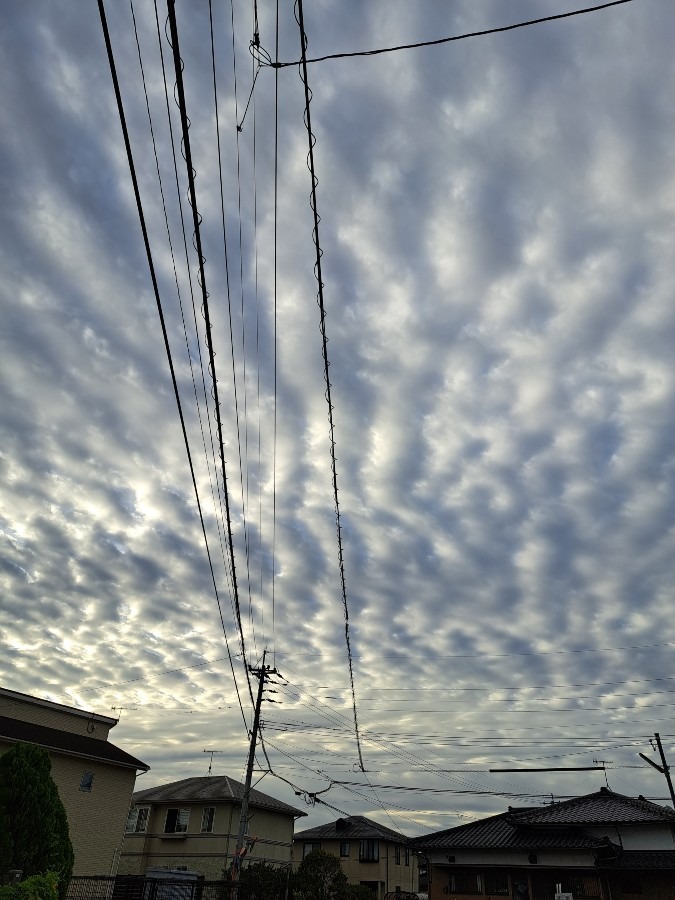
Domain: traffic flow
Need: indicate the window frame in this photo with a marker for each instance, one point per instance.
(208, 820)
(344, 846)
(87, 782)
(133, 817)
(312, 845)
(369, 850)
(182, 819)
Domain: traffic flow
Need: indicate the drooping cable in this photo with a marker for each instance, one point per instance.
(274, 439)
(447, 40)
(146, 241)
(173, 258)
(205, 302)
(324, 342)
(212, 461)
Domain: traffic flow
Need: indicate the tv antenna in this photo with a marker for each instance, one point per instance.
(211, 760)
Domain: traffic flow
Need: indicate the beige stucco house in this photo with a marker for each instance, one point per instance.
(95, 778)
(193, 825)
(601, 846)
(371, 854)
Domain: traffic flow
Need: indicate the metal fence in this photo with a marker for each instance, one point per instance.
(135, 887)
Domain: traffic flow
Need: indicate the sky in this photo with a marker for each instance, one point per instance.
(497, 225)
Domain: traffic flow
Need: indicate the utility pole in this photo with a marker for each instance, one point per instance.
(261, 674)
(664, 768)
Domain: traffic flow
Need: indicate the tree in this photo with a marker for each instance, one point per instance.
(39, 841)
(320, 877)
(261, 881)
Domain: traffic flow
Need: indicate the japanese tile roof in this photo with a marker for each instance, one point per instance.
(557, 825)
(351, 827)
(500, 833)
(642, 859)
(14, 730)
(211, 787)
(601, 808)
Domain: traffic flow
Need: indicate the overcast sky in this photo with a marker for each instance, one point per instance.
(497, 228)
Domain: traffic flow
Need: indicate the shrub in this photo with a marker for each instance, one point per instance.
(37, 887)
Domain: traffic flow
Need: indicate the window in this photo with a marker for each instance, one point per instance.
(137, 820)
(407, 856)
(397, 855)
(176, 821)
(369, 851)
(208, 816)
(464, 881)
(87, 782)
(496, 882)
(344, 848)
(309, 846)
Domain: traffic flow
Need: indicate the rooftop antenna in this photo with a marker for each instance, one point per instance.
(211, 760)
(120, 709)
(603, 763)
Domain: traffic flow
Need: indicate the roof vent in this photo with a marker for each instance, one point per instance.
(340, 825)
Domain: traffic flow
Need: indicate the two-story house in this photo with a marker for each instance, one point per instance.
(193, 825)
(95, 778)
(601, 846)
(371, 854)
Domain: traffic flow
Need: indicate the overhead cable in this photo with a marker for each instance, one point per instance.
(326, 364)
(447, 40)
(202, 281)
(146, 241)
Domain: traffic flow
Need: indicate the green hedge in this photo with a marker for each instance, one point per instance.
(37, 887)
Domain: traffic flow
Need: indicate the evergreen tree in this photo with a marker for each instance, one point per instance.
(38, 825)
(320, 877)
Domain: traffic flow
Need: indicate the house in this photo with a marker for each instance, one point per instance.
(602, 846)
(371, 854)
(192, 825)
(95, 779)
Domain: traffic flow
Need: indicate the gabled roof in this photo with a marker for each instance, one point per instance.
(500, 833)
(601, 808)
(351, 827)
(14, 730)
(215, 787)
(557, 825)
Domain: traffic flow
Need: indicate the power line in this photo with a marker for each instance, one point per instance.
(202, 283)
(431, 656)
(324, 342)
(447, 40)
(146, 241)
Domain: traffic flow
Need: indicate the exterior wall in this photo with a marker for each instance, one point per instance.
(385, 872)
(208, 854)
(540, 882)
(639, 837)
(96, 819)
(51, 715)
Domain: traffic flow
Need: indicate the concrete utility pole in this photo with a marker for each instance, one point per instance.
(664, 768)
(261, 674)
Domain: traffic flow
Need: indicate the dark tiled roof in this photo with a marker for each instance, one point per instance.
(500, 833)
(216, 787)
(351, 827)
(602, 808)
(642, 859)
(15, 730)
